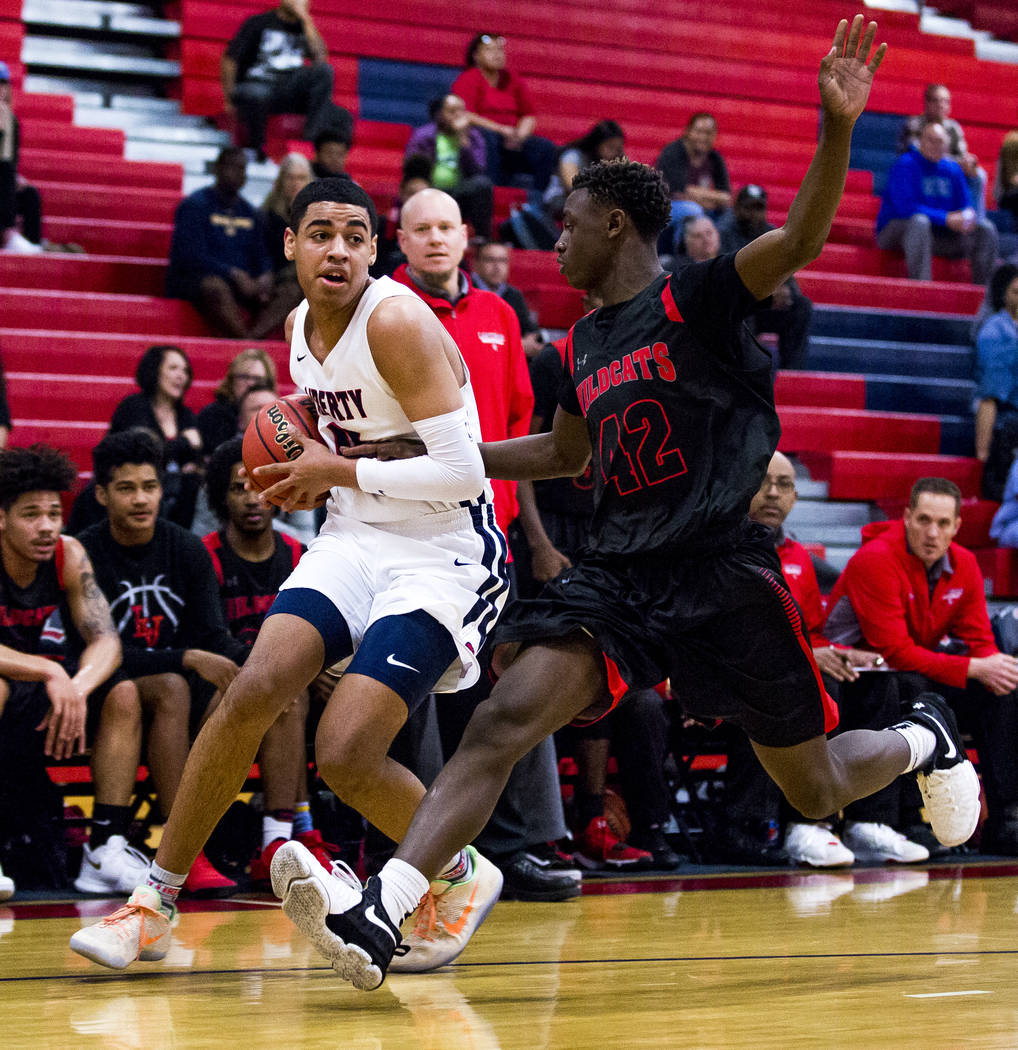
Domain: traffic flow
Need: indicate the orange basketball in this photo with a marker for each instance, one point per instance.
(268, 436)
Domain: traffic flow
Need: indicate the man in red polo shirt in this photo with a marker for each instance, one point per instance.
(486, 330)
(906, 590)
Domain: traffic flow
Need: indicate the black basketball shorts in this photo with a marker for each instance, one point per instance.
(721, 625)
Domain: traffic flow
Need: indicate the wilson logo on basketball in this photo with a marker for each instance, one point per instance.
(291, 448)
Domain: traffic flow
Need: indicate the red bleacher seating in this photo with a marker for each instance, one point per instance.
(76, 273)
(805, 429)
(92, 312)
(888, 475)
(819, 390)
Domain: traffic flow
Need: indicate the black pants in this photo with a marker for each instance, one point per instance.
(307, 90)
(476, 199)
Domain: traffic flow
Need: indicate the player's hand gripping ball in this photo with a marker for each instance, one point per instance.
(269, 437)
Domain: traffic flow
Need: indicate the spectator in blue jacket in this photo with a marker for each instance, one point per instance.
(927, 211)
(218, 257)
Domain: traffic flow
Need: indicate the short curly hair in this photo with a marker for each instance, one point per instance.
(640, 191)
(217, 474)
(38, 468)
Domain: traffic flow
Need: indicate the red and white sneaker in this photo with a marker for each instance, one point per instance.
(204, 881)
(261, 862)
(324, 852)
(599, 848)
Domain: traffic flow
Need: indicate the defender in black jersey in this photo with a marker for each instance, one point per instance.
(674, 406)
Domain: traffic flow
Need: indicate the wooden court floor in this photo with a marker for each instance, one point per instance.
(870, 959)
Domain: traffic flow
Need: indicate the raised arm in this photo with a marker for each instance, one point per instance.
(845, 78)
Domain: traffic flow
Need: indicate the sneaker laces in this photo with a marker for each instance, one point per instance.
(342, 871)
(122, 930)
(427, 914)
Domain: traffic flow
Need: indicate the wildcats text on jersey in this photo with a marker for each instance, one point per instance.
(649, 362)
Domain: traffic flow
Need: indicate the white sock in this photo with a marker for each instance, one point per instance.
(922, 742)
(459, 869)
(166, 883)
(273, 829)
(403, 887)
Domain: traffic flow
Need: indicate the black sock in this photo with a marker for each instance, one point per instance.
(108, 821)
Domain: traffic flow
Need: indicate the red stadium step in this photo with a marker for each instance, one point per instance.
(82, 201)
(889, 293)
(32, 350)
(556, 307)
(148, 239)
(74, 438)
(86, 398)
(803, 429)
(83, 273)
(30, 107)
(852, 258)
(886, 475)
(999, 566)
(819, 390)
(159, 319)
(51, 165)
(43, 134)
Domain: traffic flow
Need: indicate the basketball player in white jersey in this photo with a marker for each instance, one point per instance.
(400, 589)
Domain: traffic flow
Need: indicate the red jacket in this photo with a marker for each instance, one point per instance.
(885, 588)
(487, 332)
(801, 577)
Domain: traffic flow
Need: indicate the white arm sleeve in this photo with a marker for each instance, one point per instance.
(451, 471)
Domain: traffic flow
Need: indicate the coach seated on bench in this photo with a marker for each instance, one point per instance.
(902, 592)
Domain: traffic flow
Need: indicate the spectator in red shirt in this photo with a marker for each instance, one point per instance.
(499, 104)
(905, 591)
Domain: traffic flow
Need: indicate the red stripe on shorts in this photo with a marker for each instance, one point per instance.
(791, 612)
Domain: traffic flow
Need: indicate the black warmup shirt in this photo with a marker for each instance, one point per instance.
(679, 405)
(163, 598)
(248, 588)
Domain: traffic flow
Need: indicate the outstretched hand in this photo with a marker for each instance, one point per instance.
(845, 76)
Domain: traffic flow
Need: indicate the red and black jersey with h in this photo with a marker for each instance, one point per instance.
(248, 588)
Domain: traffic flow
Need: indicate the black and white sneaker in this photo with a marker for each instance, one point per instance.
(368, 937)
(948, 782)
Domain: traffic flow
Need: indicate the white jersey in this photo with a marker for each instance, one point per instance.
(355, 404)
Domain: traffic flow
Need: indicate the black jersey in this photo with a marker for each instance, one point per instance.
(248, 588)
(32, 617)
(679, 405)
(163, 598)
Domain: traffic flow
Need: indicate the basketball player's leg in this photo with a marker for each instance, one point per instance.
(166, 699)
(820, 776)
(544, 688)
(286, 656)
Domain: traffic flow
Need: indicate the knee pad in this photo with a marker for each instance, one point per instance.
(409, 653)
(327, 620)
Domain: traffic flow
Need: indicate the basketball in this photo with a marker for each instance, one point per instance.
(268, 436)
